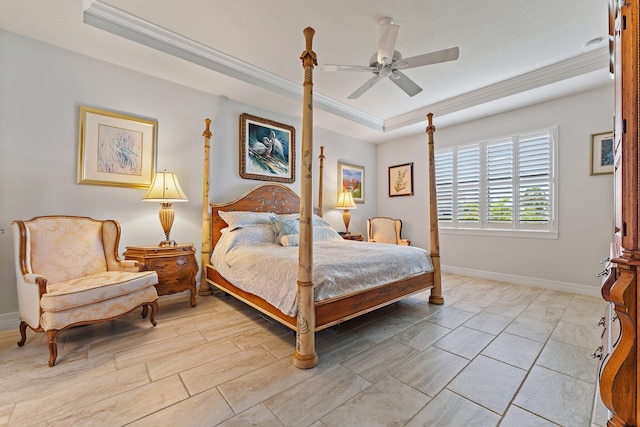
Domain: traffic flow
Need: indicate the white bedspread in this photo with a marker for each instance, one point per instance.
(339, 267)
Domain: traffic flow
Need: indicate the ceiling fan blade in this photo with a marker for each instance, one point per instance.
(387, 36)
(444, 55)
(405, 83)
(333, 67)
(365, 87)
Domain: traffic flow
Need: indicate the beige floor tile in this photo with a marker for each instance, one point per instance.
(557, 397)
(258, 415)
(570, 360)
(212, 374)
(430, 370)
(259, 385)
(489, 383)
(451, 410)
(421, 335)
(313, 398)
(584, 310)
(465, 342)
(124, 408)
(450, 317)
(86, 389)
(534, 329)
(514, 350)
(490, 323)
(386, 403)
(582, 336)
(205, 409)
(518, 417)
(379, 360)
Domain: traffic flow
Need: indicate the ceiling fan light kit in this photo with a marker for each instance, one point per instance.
(387, 62)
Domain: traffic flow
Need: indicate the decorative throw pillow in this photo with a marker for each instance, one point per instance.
(237, 219)
(316, 220)
(290, 240)
(285, 226)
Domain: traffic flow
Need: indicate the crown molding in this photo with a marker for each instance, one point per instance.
(123, 24)
(573, 67)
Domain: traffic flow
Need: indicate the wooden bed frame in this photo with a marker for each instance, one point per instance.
(312, 316)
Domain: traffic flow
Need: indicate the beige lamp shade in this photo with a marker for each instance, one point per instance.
(345, 202)
(165, 189)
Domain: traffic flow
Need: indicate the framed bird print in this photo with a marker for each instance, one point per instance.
(267, 150)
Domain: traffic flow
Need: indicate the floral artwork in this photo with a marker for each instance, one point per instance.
(401, 180)
(351, 178)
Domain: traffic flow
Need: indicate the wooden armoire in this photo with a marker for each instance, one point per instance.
(620, 354)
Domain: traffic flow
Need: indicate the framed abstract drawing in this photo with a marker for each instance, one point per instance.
(351, 178)
(267, 150)
(116, 149)
(401, 180)
(602, 153)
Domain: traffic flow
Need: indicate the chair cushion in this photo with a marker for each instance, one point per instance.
(383, 232)
(94, 288)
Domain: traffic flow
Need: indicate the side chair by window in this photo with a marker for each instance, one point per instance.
(385, 230)
(69, 274)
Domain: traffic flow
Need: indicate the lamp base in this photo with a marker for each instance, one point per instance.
(167, 242)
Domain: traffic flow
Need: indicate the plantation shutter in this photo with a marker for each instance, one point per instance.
(468, 185)
(500, 182)
(534, 189)
(444, 185)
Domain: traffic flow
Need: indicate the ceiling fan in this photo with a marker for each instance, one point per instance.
(388, 62)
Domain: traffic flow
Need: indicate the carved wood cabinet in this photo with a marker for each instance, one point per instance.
(619, 368)
(176, 266)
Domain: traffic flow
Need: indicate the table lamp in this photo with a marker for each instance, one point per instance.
(165, 189)
(345, 202)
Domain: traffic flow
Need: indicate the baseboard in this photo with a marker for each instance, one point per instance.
(574, 288)
(9, 321)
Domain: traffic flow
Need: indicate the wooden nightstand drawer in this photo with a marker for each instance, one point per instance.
(176, 266)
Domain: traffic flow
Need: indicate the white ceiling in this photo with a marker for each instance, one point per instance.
(512, 53)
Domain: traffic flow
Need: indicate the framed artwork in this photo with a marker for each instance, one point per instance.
(267, 150)
(401, 180)
(116, 149)
(601, 153)
(351, 178)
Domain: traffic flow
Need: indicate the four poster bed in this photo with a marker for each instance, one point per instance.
(271, 225)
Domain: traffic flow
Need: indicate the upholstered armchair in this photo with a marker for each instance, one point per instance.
(69, 274)
(385, 230)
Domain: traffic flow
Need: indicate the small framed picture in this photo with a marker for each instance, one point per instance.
(267, 150)
(401, 180)
(116, 149)
(601, 153)
(351, 178)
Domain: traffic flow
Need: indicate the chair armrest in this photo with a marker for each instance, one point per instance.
(131, 265)
(404, 242)
(37, 280)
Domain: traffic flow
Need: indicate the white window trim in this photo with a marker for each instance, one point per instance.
(483, 228)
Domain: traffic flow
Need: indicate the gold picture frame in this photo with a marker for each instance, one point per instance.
(401, 180)
(601, 153)
(116, 149)
(267, 150)
(351, 178)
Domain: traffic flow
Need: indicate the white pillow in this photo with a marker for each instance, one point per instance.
(316, 220)
(255, 235)
(236, 219)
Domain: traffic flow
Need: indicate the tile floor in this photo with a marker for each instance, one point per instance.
(494, 354)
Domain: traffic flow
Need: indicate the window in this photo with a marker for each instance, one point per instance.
(506, 184)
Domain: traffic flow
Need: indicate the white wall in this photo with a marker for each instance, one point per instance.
(585, 202)
(41, 89)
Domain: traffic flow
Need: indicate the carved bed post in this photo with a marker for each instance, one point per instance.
(305, 355)
(434, 240)
(321, 180)
(205, 288)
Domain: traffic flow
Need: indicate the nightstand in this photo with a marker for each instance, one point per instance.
(176, 266)
(357, 237)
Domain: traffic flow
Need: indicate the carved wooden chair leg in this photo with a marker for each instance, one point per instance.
(52, 336)
(23, 333)
(145, 310)
(154, 310)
